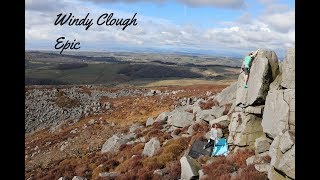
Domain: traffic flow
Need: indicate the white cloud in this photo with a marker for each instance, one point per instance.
(269, 30)
(191, 3)
(282, 21)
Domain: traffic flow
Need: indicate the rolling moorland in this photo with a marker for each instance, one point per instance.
(81, 126)
(126, 69)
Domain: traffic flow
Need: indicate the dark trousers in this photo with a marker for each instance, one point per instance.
(210, 143)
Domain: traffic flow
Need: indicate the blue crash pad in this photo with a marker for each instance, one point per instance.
(220, 147)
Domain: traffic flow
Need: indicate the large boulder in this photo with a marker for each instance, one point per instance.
(272, 59)
(113, 144)
(288, 70)
(162, 117)
(180, 118)
(244, 129)
(151, 147)
(189, 168)
(227, 95)
(260, 78)
(279, 112)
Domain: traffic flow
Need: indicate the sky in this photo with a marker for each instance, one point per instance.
(217, 27)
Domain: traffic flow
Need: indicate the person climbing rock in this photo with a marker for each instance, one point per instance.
(215, 133)
(246, 66)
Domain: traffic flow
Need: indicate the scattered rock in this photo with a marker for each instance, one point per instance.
(92, 121)
(78, 178)
(73, 131)
(151, 147)
(149, 122)
(135, 127)
(189, 167)
(158, 172)
(109, 174)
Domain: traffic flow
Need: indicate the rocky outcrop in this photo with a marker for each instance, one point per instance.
(151, 147)
(288, 70)
(189, 168)
(279, 121)
(263, 71)
(244, 129)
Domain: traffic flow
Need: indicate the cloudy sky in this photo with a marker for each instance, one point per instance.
(219, 26)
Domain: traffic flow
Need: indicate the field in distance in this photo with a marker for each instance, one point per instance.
(122, 69)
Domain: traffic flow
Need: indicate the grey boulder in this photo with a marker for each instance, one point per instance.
(189, 168)
(180, 118)
(151, 147)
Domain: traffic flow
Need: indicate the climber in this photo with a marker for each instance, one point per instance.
(246, 66)
(215, 133)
